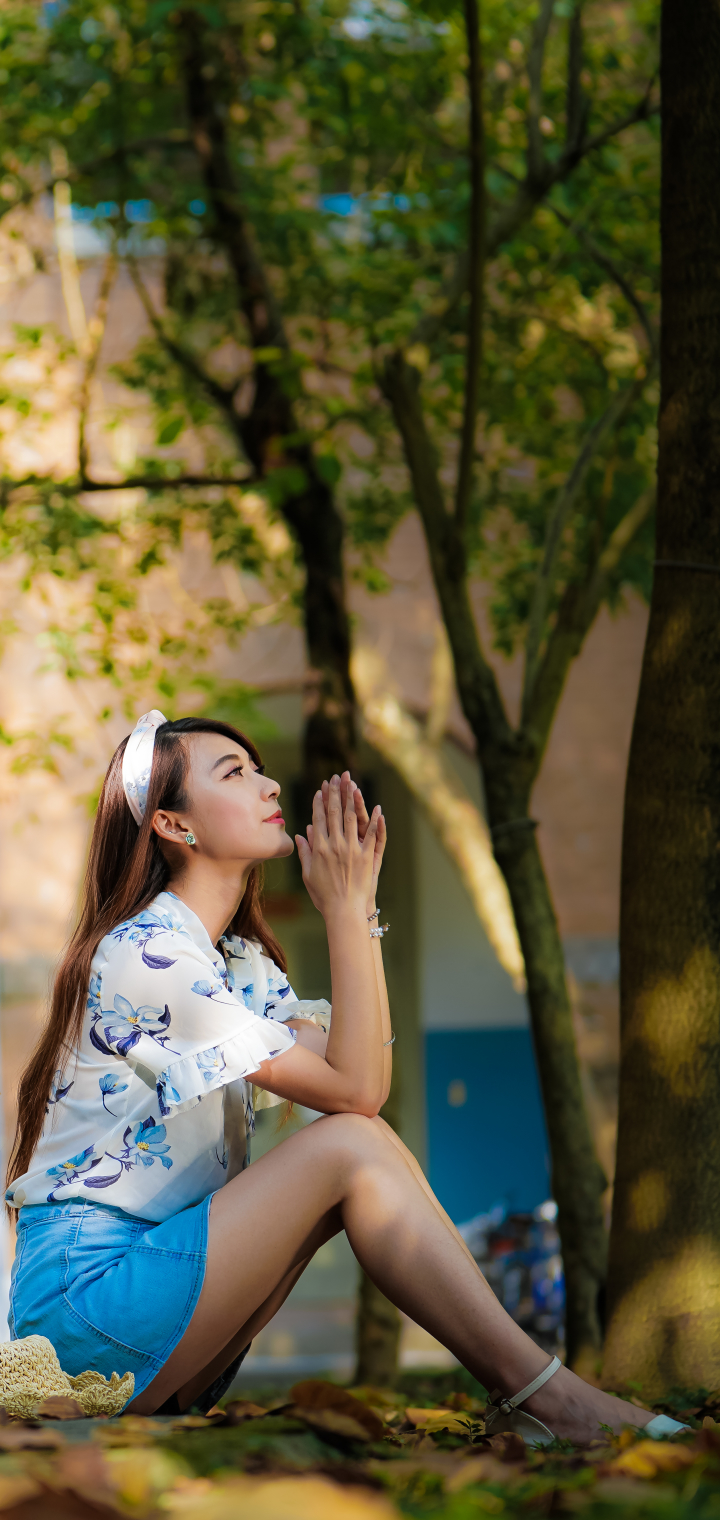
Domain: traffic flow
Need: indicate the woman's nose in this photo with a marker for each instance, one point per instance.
(270, 788)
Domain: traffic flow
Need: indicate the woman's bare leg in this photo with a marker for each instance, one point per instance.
(271, 1218)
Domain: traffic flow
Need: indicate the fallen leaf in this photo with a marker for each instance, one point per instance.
(483, 1469)
(23, 1437)
(311, 1498)
(60, 1406)
(437, 1419)
(334, 1422)
(508, 1446)
(626, 1490)
(239, 1410)
(139, 1474)
(15, 1488)
(647, 1458)
(314, 1394)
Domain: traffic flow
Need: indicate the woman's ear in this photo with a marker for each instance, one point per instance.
(169, 827)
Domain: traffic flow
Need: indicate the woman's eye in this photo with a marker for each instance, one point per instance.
(236, 771)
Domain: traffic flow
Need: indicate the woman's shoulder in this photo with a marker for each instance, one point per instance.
(147, 933)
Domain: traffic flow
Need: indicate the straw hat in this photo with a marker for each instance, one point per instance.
(30, 1372)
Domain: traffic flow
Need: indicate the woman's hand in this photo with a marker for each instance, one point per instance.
(337, 865)
(363, 823)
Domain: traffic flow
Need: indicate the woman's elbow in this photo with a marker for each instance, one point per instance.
(365, 1101)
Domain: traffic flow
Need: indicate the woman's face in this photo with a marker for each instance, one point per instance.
(233, 810)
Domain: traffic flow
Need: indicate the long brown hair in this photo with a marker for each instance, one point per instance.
(125, 871)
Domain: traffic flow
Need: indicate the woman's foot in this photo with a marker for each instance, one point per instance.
(575, 1410)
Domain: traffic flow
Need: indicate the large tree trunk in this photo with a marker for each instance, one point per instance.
(664, 1283)
(270, 436)
(509, 763)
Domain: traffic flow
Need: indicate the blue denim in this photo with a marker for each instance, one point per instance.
(113, 1293)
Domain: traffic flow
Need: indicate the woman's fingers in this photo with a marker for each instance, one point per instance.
(370, 839)
(334, 810)
(320, 822)
(304, 851)
(351, 826)
(381, 836)
(361, 812)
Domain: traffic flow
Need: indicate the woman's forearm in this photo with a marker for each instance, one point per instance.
(355, 1042)
(350, 1076)
(384, 1007)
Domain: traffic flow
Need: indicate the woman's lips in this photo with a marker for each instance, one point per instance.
(276, 818)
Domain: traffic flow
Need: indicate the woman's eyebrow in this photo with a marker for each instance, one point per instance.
(223, 758)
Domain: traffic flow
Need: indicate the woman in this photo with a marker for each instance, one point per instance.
(143, 1242)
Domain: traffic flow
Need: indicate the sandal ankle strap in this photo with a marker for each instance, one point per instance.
(508, 1404)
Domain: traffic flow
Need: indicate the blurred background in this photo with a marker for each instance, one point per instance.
(150, 553)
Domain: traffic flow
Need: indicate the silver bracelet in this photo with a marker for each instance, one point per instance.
(389, 1042)
(371, 916)
(379, 932)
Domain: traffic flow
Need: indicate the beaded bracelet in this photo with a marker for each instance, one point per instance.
(379, 932)
(371, 916)
(389, 1042)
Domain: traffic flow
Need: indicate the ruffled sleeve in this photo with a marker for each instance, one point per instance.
(172, 1016)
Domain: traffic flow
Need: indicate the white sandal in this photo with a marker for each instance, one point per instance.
(505, 1415)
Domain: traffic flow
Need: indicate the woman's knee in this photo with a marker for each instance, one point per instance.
(361, 1136)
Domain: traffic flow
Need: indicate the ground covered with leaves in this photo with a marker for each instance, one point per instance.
(321, 1452)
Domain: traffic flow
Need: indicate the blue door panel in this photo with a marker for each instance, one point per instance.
(487, 1142)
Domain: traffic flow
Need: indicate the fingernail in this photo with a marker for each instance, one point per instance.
(336, 780)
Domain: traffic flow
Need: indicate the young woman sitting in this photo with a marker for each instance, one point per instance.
(144, 1241)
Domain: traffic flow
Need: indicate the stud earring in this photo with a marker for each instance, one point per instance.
(190, 838)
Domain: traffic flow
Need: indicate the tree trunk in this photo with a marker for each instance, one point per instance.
(509, 763)
(664, 1282)
(577, 1179)
(377, 1336)
(269, 437)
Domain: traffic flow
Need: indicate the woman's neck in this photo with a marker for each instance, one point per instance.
(213, 891)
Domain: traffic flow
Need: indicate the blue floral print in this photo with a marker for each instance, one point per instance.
(109, 1085)
(157, 979)
(146, 1145)
(70, 1171)
(124, 1027)
(211, 1063)
(211, 989)
(143, 928)
(57, 1093)
(94, 994)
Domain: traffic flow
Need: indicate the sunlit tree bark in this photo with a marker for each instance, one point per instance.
(664, 1284)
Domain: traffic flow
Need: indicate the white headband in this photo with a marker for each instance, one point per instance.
(137, 762)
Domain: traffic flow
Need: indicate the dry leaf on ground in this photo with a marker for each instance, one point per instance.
(648, 1458)
(311, 1498)
(60, 1406)
(437, 1419)
(314, 1395)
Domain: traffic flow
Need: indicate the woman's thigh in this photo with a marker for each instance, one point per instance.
(263, 1225)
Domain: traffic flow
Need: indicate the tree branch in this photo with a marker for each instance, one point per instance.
(576, 613)
(577, 106)
(480, 695)
(477, 264)
(222, 395)
(512, 216)
(615, 273)
(96, 330)
(536, 56)
(84, 484)
(564, 503)
(531, 193)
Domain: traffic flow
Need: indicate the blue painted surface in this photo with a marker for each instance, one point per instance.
(487, 1142)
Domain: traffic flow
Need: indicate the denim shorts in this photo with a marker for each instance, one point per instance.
(113, 1293)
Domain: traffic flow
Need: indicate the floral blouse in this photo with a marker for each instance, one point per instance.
(153, 1111)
